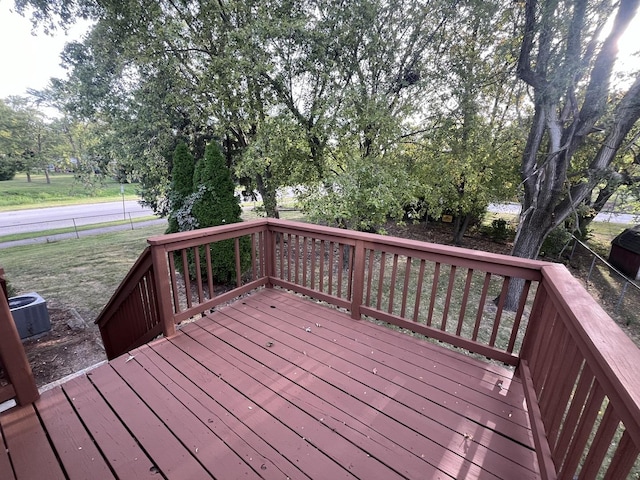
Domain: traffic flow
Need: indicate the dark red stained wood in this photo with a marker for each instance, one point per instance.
(169, 455)
(191, 431)
(192, 392)
(258, 396)
(329, 416)
(623, 459)
(545, 460)
(247, 409)
(6, 472)
(27, 445)
(419, 354)
(601, 443)
(330, 355)
(117, 445)
(72, 442)
(461, 377)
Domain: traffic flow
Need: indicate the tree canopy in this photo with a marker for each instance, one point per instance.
(368, 102)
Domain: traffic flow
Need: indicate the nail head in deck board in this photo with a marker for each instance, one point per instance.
(112, 438)
(234, 433)
(169, 455)
(191, 431)
(391, 407)
(269, 428)
(29, 449)
(73, 445)
(405, 390)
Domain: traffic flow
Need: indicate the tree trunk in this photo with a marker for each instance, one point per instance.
(460, 226)
(28, 176)
(532, 231)
(268, 194)
(46, 174)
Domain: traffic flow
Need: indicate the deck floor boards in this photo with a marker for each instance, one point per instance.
(276, 386)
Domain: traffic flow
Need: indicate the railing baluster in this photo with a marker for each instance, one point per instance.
(297, 262)
(238, 262)
(304, 261)
(416, 306)
(321, 275)
(501, 301)
(481, 303)
(313, 263)
(561, 445)
(601, 442)
(210, 282)
(330, 286)
(583, 430)
(380, 280)
(623, 459)
(465, 299)
(196, 252)
(447, 303)
(392, 290)
(253, 257)
(405, 290)
(434, 292)
(369, 275)
(174, 283)
(518, 318)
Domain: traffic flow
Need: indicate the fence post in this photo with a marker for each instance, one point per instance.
(163, 289)
(358, 279)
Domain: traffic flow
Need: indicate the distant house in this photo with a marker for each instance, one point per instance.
(625, 252)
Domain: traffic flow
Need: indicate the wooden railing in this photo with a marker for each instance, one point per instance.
(583, 373)
(578, 367)
(21, 385)
(131, 316)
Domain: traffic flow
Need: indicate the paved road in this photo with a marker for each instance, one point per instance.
(39, 219)
(601, 217)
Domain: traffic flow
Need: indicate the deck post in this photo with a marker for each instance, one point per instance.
(358, 279)
(161, 277)
(268, 255)
(13, 357)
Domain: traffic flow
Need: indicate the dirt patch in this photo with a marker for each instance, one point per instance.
(70, 346)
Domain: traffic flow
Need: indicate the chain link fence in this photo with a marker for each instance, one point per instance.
(617, 294)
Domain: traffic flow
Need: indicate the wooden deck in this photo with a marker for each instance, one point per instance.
(275, 386)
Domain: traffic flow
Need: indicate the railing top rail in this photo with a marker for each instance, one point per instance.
(383, 240)
(141, 265)
(177, 240)
(612, 356)
(203, 233)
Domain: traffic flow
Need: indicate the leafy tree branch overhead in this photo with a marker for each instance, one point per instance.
(454, 96)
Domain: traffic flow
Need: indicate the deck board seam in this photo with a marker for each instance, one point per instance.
(233, 345)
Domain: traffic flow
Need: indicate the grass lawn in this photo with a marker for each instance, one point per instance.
(63, 190)
(81, 273)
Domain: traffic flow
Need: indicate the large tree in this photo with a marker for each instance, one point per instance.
(567, 60)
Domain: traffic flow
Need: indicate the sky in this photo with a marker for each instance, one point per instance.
(28, 61)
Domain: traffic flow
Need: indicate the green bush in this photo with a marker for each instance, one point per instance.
(181, 185)
(216, 204)
(8, 169)
(500, 230)
(555, 243)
